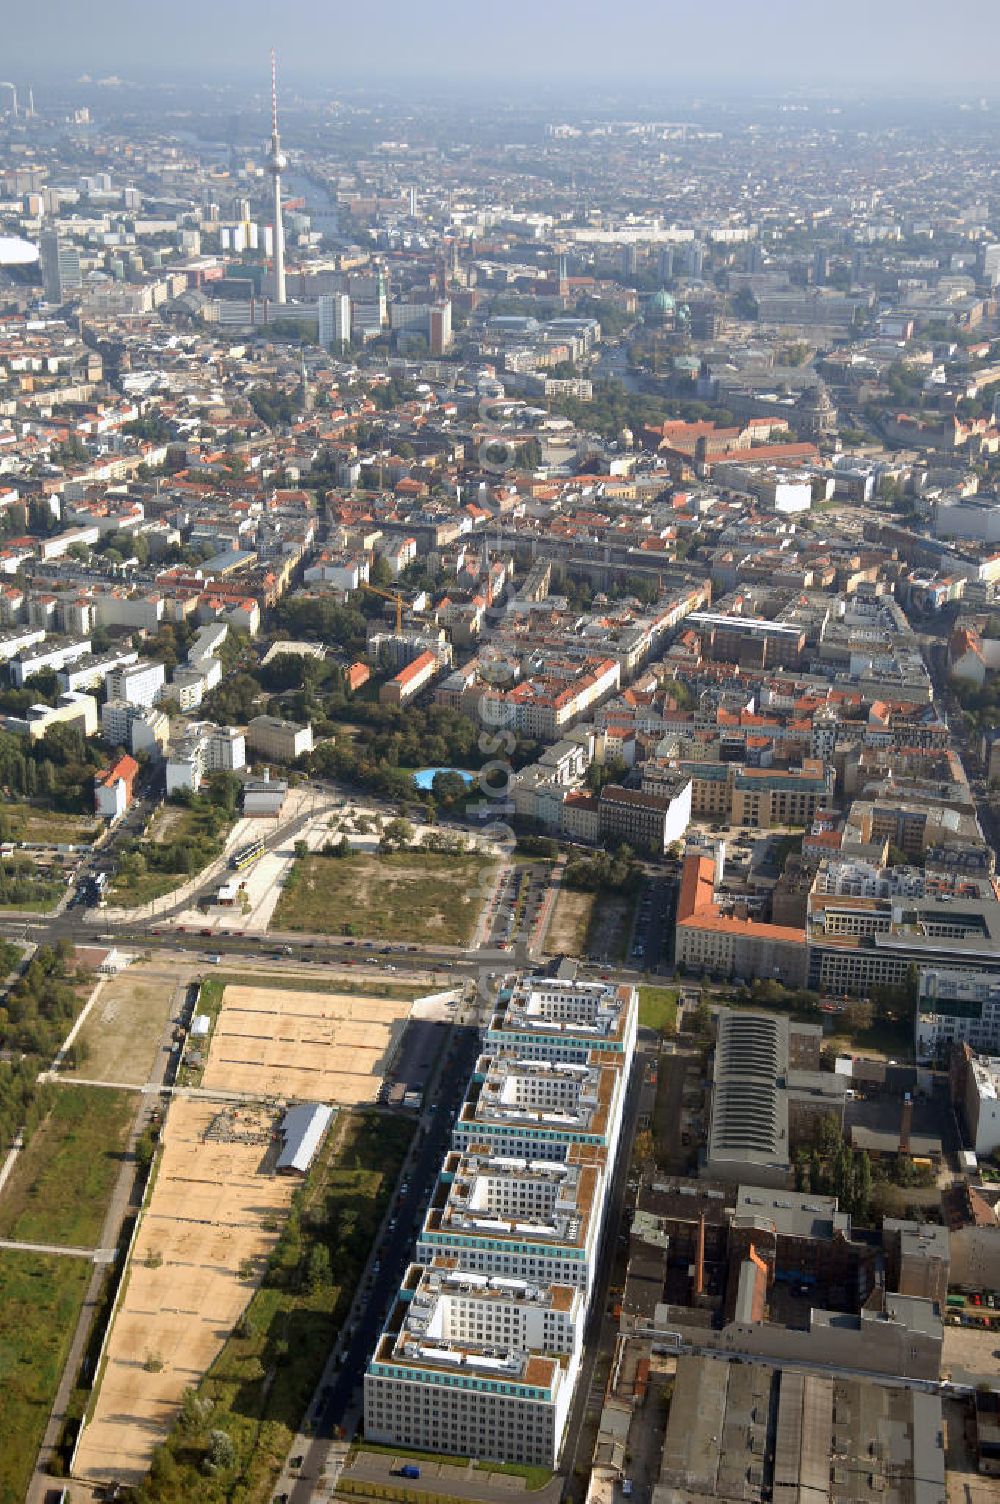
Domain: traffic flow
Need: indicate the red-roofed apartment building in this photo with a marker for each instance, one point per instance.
(113, 788)
(710, 939)
(410, 680)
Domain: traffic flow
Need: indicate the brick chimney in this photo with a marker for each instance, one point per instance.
(906, 1124)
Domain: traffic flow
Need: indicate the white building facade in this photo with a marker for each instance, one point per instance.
(481, 1353)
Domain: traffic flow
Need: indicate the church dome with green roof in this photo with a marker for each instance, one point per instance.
(660, 307)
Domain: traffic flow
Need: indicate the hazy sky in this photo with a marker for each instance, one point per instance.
(903, 43)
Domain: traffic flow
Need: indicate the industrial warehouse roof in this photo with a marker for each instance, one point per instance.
(302, 1129)
(836, 1439)
(749, 1105)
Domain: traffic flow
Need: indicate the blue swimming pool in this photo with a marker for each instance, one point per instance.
(424, 777)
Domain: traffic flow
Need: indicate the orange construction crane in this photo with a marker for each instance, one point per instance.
(389, 595)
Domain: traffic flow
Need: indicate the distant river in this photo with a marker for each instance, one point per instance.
(321, 204)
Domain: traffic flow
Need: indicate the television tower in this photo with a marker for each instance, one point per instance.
(276, 163)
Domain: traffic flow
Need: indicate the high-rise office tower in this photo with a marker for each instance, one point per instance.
(439, 327)
(334, 321)
(276, 164)
(989, 263)
(61, 272)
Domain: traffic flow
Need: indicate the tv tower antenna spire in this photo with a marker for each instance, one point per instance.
(276, 163)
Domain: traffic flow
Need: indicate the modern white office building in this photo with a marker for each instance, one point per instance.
(480, 1354)
(54, 653)
(519, 1219)
(277, 740)
(61, 272)
(138, 684)
(538, 1109)
(92, 670)
(139, 728)
(957, 1007)
(205, 749)
(543, 1018)
(979, 1076)
(483, 1367)
(334, 319)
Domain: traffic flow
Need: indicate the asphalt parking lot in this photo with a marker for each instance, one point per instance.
(653, 933)
(518, 900)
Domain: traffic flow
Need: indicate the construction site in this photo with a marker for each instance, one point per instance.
(219, 1197)
(212, 1218)
(313, 1046)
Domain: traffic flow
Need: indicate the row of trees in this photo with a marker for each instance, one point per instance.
(980, 705)
(580, 592)
(199, 838)
(35, 517)
(613, 408)
(321, 619)
(284, 1337)
(35, 1017)
(604, 871)
(274, 407)
(59, 768)
(830, 1167)
(21, 885)
(390, 742)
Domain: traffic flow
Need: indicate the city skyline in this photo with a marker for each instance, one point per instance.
(894, 45)
(500, 734)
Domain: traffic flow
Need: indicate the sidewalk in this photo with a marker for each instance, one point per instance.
(536, 942)
(173, 903)
(459, 1481)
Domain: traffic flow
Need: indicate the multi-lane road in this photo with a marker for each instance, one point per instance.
(336, 1409)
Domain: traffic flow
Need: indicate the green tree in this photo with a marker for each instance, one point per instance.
(319, 1274)
(449, 787)
(398, 833)
(862, 1186)
(220, 1452)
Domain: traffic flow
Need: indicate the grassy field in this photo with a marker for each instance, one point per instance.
(197, 833)
(48, 827)
(422, 897)
(132, 892)
(570, 922)
(658, 1009)
(40, 1300)
(888, 1037)
(60, 1186)
(123, 1032)
(585, 923)
(261, 1383)
(611, 926)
